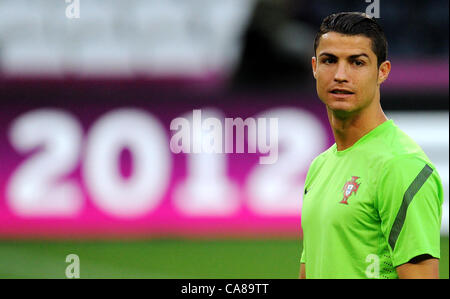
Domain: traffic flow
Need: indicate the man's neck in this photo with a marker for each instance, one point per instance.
(348, 129)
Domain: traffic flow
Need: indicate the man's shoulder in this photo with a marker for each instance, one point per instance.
(401, 155)
(397, 147)
(324, 155)
(409, 172)
(319, 161)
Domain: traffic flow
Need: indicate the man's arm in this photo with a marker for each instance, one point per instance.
(409, 202)
(420, 267)
(302, 271)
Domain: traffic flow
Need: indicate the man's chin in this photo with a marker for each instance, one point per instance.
(341, 110)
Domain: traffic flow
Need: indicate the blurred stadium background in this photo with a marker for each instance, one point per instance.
(86, 107)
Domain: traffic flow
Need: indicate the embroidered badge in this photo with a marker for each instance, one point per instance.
(350, 187)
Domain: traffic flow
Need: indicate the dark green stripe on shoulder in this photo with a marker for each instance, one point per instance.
(407, 198)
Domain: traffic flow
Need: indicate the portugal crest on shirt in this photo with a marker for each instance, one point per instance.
(350, 187)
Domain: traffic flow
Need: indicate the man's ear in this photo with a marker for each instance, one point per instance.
(383, 71)
(314, 66)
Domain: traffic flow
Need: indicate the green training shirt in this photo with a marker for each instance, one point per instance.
(371, 207)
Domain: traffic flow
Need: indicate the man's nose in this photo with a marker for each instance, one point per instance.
(341, 73)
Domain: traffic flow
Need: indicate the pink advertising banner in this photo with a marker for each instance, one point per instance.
(102, 159)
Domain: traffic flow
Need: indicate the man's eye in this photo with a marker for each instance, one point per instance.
(328, 60)
(358, 62)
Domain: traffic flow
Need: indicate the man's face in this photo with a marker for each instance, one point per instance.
(346, 72)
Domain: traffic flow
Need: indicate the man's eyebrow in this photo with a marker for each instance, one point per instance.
(327, 54)
(358, 55)
(351, 56)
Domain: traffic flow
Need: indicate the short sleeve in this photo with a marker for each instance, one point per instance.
(409, 202)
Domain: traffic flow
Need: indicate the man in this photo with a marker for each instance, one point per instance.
(372, 202)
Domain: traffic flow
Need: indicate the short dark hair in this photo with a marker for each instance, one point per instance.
(355, 23)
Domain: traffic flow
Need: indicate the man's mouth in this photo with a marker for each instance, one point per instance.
(341, 91)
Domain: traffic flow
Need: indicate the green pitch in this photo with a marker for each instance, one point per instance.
(174, 258)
